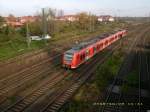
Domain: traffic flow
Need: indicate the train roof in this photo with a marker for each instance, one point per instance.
(90, 42)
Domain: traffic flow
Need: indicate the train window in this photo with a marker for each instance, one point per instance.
(100, 45)
(97, 47)
(106, 42)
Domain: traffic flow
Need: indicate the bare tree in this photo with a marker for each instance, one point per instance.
(60, 13)
(86, 21)
(51, 23)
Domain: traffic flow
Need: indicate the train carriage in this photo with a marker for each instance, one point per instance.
(86, 50)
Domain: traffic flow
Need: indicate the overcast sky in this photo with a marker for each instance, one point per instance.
(99, 7)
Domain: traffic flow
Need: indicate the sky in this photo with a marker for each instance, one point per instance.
(98, 7)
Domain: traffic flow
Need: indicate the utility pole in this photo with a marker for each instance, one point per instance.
(28, 35)
(93, 21)
(149, 17)
(44, 24)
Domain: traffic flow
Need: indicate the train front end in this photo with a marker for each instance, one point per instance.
(68, 59)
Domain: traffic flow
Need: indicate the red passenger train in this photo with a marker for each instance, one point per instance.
(85, 50)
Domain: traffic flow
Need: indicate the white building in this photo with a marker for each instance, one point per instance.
(70, 18)
(106, 18)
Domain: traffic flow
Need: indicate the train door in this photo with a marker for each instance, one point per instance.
(101, 46)
(94, 50)
(82, 57)
(87, 54)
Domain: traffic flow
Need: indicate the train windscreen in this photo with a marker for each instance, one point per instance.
(68, 57)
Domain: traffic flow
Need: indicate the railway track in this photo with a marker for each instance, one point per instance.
(13, 76)
(27, 100)
(62, 90)
(63, 96)
(29, 69)
(20, 105)
(41, 55)
(115, 99)
(56, 104)
(143, 67)
(67, 96)
(16, 80)
(19, 82)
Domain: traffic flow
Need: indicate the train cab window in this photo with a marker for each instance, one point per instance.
(68, 57)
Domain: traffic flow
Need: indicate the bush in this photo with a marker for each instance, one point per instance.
(107, 71)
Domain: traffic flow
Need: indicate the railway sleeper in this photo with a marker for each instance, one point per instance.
(26, 102)
(65, 96)
(22, 105)
(59, 103)
(37, 94)
(19, 108)
(53, 108)
(50, 110)
(15, 110)
(56, 105)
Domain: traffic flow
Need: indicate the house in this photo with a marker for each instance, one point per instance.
(70, 18)
(20, 21)
(105, 18)
(26, 19)
(14, 24)
(12, 21)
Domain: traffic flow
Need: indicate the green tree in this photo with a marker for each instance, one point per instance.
(35, 28)
(7, 30)
(2, 21)
(23, 30)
